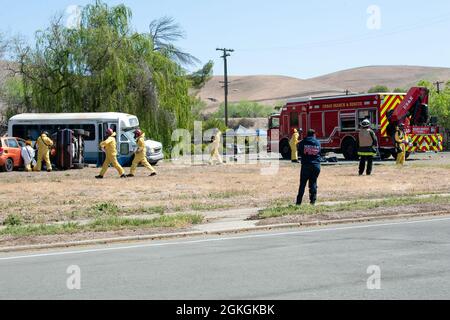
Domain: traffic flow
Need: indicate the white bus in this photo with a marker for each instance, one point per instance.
(30, 126)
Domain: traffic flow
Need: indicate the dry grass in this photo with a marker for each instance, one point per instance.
(74, 195)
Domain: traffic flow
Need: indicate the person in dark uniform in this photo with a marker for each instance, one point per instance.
(367, 147)
(309, 149)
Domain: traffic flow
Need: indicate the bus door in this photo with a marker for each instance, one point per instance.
(126, 148)
(101, 127)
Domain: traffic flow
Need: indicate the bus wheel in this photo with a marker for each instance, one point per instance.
(349, 149)
(285, 150)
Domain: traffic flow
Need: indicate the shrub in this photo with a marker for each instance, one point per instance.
(13, 220)
(245, 109)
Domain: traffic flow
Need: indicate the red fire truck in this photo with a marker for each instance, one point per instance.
(336, 121)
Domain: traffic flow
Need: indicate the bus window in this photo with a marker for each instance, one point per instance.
(91, 129)
(49, 128)
(23, 131)
(124, 148)
(101, 133)
(112, 126)
(86, 127)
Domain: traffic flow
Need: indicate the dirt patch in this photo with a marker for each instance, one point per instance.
(7, 241)
(71, 195)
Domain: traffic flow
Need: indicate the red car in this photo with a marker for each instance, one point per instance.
(10, 149)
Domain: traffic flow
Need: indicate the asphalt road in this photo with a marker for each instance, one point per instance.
(412, 257)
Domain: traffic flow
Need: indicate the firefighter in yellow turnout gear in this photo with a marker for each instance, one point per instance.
(111, 155)
(139, 155)
(215, 145)
(293, 144)
(44, 144)
(401, 139)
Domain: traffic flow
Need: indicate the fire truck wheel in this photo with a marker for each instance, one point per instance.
(385, 155)
(349, 149)
(285, 149)
(394, 154)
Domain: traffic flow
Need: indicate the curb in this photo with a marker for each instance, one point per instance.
(217, 232)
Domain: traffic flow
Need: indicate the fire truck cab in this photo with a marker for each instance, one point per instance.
(336, 121)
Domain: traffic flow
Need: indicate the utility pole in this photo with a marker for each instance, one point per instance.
(225, 55)
(438, 83)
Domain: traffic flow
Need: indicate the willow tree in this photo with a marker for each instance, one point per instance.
(104, 65)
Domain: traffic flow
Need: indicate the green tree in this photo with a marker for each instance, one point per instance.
(378, 88)
(200, 77)
(244, 109)
(106, 66)
(439, 103)
(164, 32)
(3, 45)
(399, 90)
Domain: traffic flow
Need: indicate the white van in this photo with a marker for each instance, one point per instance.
(30, 126)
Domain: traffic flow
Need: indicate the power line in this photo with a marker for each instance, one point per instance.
(225, 82)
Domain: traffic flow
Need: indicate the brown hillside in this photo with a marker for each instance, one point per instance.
(264, 89)
(361, 79)
(276, 89)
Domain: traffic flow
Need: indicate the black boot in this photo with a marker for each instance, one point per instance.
(123, 176)
(130, 175)
(298, 202)
(312, 199)
(99, 177)
(153, 174)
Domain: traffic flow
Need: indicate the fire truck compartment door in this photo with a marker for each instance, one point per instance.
(285, 128)
(303, 124)
(316, 123)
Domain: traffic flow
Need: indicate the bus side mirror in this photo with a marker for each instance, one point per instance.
(433, 121)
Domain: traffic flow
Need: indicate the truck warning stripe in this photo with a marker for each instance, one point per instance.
(423, 143)
(389, 103)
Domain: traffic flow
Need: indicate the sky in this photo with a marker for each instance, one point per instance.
(295, 38)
